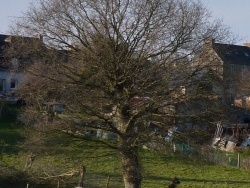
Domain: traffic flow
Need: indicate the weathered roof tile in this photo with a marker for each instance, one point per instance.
(233, 54)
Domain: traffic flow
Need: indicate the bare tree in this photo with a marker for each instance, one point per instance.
(123, 63)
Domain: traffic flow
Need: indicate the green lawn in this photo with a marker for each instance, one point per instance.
(194, 174)
(60, 153)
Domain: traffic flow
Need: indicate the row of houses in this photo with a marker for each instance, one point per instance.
(229, 64)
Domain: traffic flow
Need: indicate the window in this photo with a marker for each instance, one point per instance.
(205, 87)
(220, 99)
(183, 90)
(14, 63)
(233, 69)
(244, 71)
(13, 83)
(230, 88)
(2, 85)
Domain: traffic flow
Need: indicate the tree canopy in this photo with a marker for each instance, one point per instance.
(124, 64)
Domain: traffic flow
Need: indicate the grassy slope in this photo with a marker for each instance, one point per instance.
(64, 153)
(194, 174)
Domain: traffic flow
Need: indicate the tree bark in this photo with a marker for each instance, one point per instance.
(131, 167)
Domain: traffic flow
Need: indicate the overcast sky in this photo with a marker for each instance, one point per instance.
(235, 14)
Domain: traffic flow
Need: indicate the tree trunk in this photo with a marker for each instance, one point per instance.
(129, 151)
(131, 168)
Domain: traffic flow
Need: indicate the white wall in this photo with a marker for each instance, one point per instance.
(8, 75)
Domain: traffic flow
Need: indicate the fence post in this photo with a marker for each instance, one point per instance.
(238, 163)
(107, 185)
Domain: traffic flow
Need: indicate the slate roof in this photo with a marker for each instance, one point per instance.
(6, 41)
(3, 42)
(233, 54)
(3, 37)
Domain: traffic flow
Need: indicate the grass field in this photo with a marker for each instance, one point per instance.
(60, 153)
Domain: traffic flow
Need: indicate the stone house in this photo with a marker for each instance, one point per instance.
(11, 75)
(230, 65)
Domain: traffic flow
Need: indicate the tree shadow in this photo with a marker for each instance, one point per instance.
(214, 181)
(10, 134)
(238, 182)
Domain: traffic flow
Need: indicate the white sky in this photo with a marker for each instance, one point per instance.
(235, 13)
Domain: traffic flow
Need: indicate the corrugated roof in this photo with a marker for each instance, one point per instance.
(233, 54)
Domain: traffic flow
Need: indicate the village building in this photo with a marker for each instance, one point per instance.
(224, 72)
(11, 75)
(229, 66)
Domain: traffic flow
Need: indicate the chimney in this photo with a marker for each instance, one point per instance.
(40, 37)
(209, 41)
